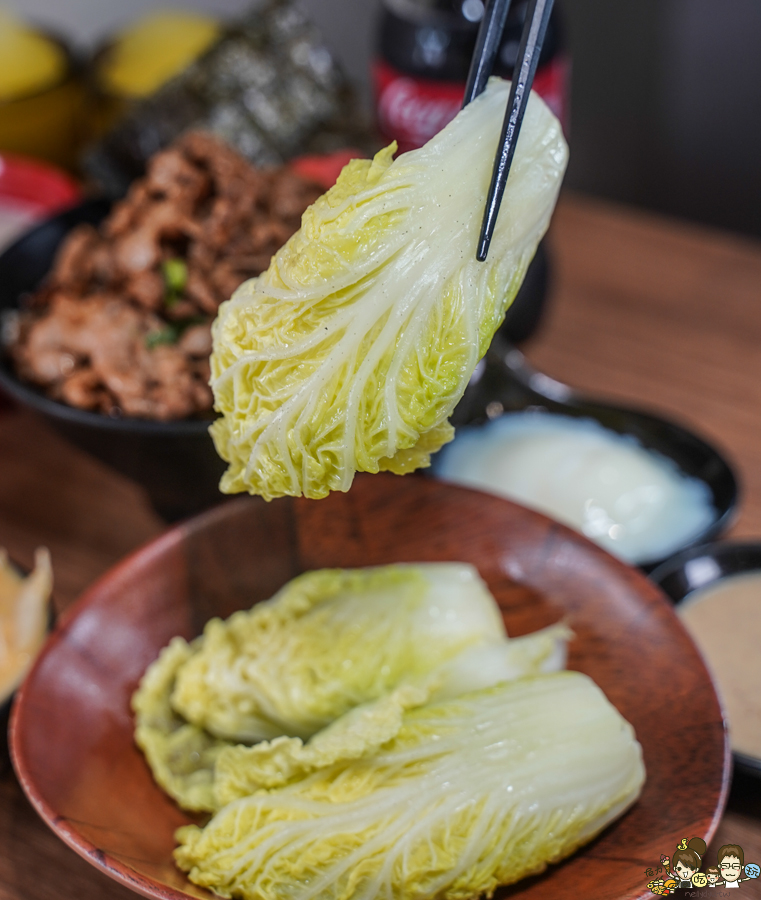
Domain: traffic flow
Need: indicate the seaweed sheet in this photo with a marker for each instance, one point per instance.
(269, 87)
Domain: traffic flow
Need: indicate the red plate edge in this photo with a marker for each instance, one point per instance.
(36, 184)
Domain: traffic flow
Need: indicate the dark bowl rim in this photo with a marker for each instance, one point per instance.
(29, 396)
(750, 765)
(106, 45)
(719, 550)
(718, 526)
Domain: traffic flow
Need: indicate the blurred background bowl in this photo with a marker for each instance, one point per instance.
(72, 729)
(174, 461)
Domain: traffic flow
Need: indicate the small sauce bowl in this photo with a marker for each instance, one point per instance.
(504, 382)
(706, 566)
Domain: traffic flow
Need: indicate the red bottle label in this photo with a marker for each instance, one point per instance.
(411, 110)
(551, 83)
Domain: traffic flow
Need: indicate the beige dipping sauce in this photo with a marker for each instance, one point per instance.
(23, 618)
(724, 620)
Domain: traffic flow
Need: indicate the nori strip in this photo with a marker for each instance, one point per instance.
(269, 87)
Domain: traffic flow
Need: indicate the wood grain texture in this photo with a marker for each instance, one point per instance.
(648, 310)
(72, 733)
(659, 313)
(53, 495)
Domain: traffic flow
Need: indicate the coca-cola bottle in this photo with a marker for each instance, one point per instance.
(419, 72)
(423, 55)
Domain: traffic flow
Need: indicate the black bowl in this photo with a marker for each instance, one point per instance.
(174, 461)
(698, 567)
(504, 382)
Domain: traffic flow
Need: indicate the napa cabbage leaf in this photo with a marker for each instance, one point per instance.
(204, 772)
(328, 641)
(471, 793)
(181, 756)
(241, 770)
(486, 664)
(350, 352)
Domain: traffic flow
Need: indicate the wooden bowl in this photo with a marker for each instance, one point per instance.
(71, 732)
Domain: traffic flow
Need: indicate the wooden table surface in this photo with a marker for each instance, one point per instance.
(643, 310)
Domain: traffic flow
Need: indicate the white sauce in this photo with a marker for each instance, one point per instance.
(634, 502)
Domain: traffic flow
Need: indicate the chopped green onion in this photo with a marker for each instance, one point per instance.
(168, 335)
(172, 332)
(175, 272)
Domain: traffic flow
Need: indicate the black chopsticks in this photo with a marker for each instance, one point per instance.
(487, 46)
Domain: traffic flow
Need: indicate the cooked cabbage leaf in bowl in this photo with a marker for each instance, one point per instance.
(414, 749)
(328, 641)
(324, 671)
(351, 351)
(472, 792)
